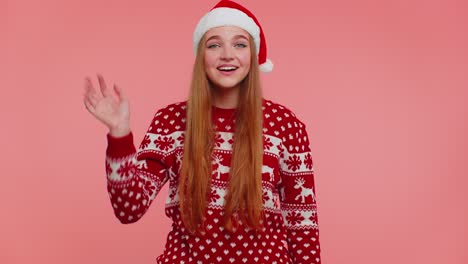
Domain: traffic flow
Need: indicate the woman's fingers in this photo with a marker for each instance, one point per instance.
(103, 86)
(88, 83)
(88, 105)
(92, 97)
(119, 92)
(90, 101)
(90, 91)
(89, 86)
(93, 100)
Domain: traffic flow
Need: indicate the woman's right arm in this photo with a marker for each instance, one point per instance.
(132, 183)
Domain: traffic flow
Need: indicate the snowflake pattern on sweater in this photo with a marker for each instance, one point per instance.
(290, 233)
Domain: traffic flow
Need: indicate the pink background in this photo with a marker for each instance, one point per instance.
(381, 86)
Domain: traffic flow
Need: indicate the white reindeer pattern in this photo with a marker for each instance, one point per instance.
(142, 165)
(269, 170)
(221, 168)
(304, 190)
(179, 160)
(171, 173)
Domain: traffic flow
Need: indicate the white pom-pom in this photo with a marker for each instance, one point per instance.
(267, 66)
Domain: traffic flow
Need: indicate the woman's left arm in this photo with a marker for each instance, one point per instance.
(297, 191)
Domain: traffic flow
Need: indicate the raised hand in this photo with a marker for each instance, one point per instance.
(114, 113)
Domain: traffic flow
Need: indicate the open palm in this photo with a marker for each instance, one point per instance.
(114, 113)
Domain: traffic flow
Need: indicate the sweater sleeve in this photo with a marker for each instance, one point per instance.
(297, 194)
(134, 178)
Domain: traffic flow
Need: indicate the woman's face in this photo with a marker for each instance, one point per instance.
(227, 56)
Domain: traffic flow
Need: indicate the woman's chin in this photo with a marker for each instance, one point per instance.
(224, 86)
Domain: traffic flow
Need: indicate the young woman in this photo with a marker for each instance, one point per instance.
(239, 166)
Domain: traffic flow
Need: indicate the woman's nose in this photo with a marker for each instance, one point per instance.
(227, 53)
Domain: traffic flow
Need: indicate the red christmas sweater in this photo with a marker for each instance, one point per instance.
(290, 233)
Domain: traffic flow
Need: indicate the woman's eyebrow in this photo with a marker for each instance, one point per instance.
(235, 37)
(240, 36)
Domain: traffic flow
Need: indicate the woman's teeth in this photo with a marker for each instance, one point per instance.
(230, 68)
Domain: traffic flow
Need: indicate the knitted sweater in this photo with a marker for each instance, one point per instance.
(290, 233)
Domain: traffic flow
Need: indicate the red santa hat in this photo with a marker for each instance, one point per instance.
(229, 13)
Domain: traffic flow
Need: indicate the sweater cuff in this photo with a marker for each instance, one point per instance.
(118, 147)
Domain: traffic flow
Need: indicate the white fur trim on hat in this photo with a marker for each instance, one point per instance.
(224, 16)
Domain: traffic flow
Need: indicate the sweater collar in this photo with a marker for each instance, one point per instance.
(223, 112)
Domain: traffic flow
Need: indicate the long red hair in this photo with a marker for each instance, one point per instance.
(244, 196)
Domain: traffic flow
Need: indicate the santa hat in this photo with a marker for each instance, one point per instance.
(229, 13)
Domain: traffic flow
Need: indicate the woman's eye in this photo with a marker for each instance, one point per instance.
(241, 45)
(213, 46)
